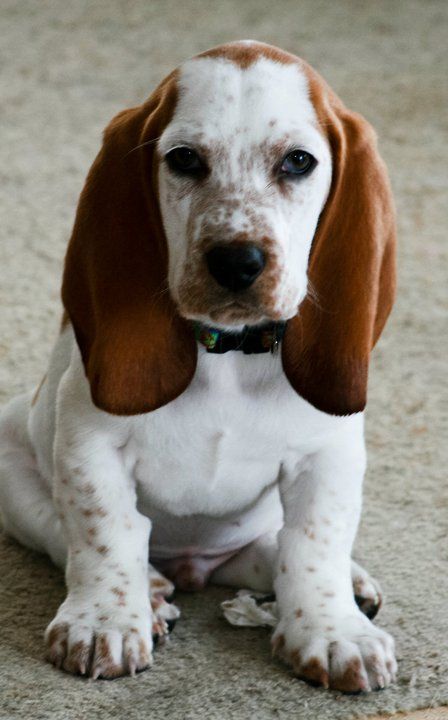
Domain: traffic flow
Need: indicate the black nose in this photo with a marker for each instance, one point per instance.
(235, 267)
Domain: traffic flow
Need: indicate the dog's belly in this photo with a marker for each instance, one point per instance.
(188, 548)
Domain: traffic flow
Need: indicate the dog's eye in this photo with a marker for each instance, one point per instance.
(185, 161)
(298, 162)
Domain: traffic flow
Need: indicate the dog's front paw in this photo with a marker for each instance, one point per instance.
(99, 641)
(346, 653)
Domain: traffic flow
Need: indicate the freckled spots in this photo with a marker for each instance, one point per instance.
(91, 512)
(329, 594)
(91, 531)
(121, 573)
(134, 615)
(322, 605)
(102, 549)
(299, 613)
(61, 516)
(103, 618)
(310, 568)
(81, 615)
(283, 568)
(98, 578)
(272, 123)
(88, 489)
(117, 591)
(329, 628)
(326, 521)
(133, 629)
(96, 605)
(64, 481)
(71, 501)
(120, 595)
(256, 569)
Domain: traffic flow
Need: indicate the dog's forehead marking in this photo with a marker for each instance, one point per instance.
(219, 100)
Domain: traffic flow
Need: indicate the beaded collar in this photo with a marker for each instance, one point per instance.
(258, 339)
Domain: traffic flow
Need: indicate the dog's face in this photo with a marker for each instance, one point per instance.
(244, 174)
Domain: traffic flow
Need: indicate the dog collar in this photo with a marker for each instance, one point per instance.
(259, 339)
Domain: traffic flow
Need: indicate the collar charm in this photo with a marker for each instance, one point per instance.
(250, 340)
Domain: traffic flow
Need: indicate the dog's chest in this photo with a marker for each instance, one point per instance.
(215, 450)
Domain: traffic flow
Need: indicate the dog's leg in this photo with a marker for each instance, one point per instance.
(253, 568)
(321, 633)
(104, 627)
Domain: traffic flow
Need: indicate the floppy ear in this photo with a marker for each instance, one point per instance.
(327, 345)
(137, 351)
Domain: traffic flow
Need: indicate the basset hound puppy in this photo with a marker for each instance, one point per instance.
(231, 266)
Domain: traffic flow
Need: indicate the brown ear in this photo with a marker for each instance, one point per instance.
(351, 270)
(137, 351)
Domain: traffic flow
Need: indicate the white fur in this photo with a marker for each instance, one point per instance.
(238, 119)
(232, 461)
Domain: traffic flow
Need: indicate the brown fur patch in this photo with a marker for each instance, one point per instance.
(351, 680)
(103, 663)
(246, 54)
(314, 672)
(103, 549)
(78, 658)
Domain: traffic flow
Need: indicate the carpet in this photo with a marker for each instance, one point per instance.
(66, 69)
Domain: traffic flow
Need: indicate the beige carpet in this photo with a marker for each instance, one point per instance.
(67, 67)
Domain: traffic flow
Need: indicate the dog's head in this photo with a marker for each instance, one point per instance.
(242, 191)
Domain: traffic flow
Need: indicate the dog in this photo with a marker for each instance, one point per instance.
(232, 265)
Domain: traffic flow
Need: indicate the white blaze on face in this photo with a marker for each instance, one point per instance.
(243, 121)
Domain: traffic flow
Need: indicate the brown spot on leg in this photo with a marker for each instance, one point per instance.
(78, 659)
(299, 613)
(351, 680)
(314, 672)
(103, 662)
(102, 549)
(57, 644)
(283, 568)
